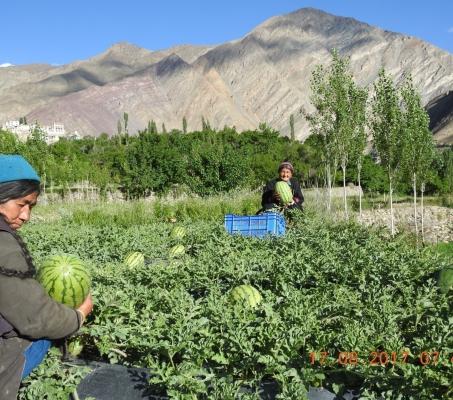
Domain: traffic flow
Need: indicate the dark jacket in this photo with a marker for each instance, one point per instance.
(26, 313)
(268, 199)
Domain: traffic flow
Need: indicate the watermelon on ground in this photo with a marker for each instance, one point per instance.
(177, 251)
(178, 232)
(134, 260)
(65, 278)
(247, 295)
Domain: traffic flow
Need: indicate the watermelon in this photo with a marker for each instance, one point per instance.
(134, 260)
(178, 232)
(75, 346)
(177, 250)
(247, 295)
(65, 278)
(284, 191)
(445, 280)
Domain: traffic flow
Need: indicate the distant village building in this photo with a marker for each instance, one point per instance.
(21, 130)
(73, 136)
(10, 125)
(52, 133)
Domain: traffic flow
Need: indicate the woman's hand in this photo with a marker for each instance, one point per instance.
(87, 306)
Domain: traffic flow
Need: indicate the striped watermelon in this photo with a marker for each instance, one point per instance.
(177, 250)
(66, 279)
(134, 260)
(284, 191)
(178, 232)
(247, 295)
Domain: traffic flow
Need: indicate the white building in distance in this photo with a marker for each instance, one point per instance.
(52, 133)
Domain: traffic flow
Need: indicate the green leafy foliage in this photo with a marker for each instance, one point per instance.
(52, 380)
(324, 287)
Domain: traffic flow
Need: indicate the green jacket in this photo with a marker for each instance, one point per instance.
(27, 308)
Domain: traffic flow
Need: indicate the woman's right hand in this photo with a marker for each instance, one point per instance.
(87, 306)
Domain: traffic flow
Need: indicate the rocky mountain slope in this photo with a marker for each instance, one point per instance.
(262, 77)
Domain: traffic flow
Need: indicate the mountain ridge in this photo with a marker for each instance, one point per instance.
(263, 76)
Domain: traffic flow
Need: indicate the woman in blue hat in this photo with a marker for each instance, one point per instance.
(29, 318)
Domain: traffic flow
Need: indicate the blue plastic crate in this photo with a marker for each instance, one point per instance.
(256, 225)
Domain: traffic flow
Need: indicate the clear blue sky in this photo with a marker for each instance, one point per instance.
(58, 32)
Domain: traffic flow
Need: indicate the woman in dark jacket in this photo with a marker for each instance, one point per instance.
(29, 318)
(270, 199)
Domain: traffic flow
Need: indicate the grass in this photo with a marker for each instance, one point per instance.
(187, 209)
(445, 250)
(142, 212)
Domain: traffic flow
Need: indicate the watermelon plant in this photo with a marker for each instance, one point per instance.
(326, 289)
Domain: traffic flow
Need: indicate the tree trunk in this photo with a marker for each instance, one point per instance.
(392, 221)
(359, 169)
(414, 187)
(329, 186)
(44, 183)
(343, 167)
(422, 212)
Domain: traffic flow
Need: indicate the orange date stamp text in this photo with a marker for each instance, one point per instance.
(379, 358)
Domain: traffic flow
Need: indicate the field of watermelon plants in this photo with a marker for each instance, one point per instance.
(342, 305)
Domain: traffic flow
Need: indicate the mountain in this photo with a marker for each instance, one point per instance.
(262, 77)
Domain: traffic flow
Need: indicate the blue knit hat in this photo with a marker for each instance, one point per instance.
(15, 168)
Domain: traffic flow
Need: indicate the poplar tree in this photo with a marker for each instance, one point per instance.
(184, 124)
(205, 125)
(119, 128)
(126, 120)
(291, 127)
(126, 131)
(418, 149)
(339, 116)
(152, 127)
(387, 130)
(322, 123)
(359, 136)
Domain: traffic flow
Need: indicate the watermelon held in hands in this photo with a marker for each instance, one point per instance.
(445, 280)
(66, 279)
(178, 232)
(177, 251)
(284, 191)
(247, 295)
(134, 260)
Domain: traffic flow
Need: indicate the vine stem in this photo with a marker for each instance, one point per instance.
(121, 353)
